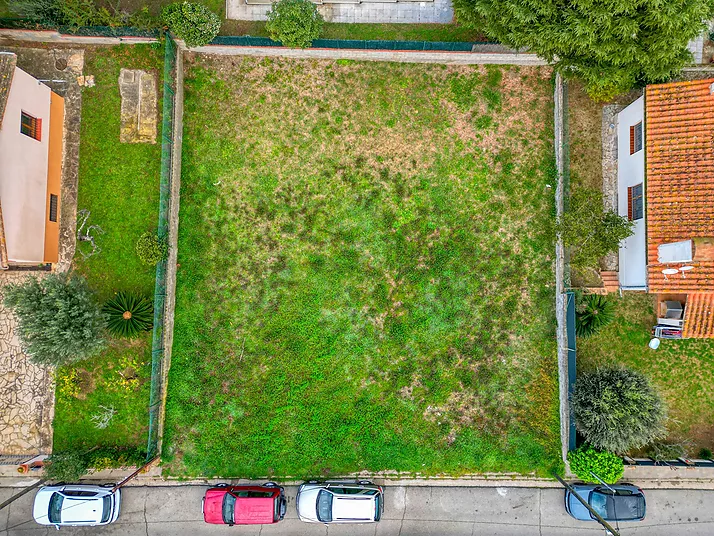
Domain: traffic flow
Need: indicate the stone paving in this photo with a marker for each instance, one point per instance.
(437, 11)
(26, 390)
(138, 106)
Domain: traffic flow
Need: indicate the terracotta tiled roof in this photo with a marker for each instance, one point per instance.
(679, 120)
(7, 71)
(699, 315)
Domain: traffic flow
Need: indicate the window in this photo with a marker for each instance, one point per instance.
(324, 506)
(53, 207)
(55, 509)
(107, 508)
(229, 507)
(635, 202)
(79, 493)
(636, 138)
(31, 126)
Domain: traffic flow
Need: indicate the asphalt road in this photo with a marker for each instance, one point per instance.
(413, 511)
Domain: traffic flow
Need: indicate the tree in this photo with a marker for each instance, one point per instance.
(605, 465)
(590, 231)
(194, 23)
(59, 318)
(617, 410)
(67, 466)
(295, 23)
(613, 45)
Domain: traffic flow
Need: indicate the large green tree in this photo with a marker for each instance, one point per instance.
(613, 45)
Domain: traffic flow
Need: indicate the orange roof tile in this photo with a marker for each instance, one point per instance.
(679, 142)
(699, 316)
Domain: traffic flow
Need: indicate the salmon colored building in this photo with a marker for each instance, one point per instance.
(672, 203)
(31, 140)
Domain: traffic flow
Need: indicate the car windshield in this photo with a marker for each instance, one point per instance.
(378, 507)
(324, 506)
(55, 509)
(229, 508)
(107, 511)
(618, 507)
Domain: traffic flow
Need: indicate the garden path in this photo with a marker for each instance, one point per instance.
(26, 389)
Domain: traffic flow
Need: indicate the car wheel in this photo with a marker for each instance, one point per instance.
(270, 485)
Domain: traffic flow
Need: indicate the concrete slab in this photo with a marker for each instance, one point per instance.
(175, 504)
(139, 111)
(430, 528)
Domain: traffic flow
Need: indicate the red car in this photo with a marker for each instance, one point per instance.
(244, 505)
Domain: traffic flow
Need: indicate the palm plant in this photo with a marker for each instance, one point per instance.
(592, 313)
(128, 314)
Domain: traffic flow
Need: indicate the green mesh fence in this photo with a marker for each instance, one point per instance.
(157, 346)
(444, 46)
(82, 31)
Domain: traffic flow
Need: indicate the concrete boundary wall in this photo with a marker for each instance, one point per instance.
(173, 223)
(402, 56)
(560, 297)
(53, 36)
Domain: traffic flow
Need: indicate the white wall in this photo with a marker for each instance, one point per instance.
(631, 171)
(23, 170)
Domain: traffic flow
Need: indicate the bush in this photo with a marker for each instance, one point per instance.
(59, 319)
(44, 12)
(586, 460)
(128, 314)
(705, 454)
(590, 231)
(67, 466)
(295, 23)
(115, 458)
(617, 409)
(592, 313)
(194, 23)
(150, 248)
(76, 13)
(661, 452)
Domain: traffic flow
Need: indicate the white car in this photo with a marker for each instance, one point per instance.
(340, 502)
(79, 505)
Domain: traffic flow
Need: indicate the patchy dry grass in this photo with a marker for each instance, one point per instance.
(365, 273)
(681, 369)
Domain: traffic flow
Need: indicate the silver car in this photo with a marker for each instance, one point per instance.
(80, 505)
(340, 502)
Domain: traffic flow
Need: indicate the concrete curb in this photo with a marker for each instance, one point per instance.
(401, 56)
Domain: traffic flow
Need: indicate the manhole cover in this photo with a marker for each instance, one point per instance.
(61, 64)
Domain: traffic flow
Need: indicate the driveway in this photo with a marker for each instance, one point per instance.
(413, 511)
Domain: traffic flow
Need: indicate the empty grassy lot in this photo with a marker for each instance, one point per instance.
(681, 370)
(119, 185)
(365, 270)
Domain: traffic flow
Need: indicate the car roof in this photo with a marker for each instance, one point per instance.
(82, 509)
(353, 507)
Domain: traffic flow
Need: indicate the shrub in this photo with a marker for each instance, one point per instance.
(115, 458)
(67, 381)
(586, 460)
(150, 248)
(67, 466)
(592, 313)
(295, 23)
(705, 453)
(660, 451)
(128, 314)
(617, 409)
(44, 12)
(589, 231)
(59, 319)
(194, 23)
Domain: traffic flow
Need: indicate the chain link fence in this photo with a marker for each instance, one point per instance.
(157, 346)
(248, 41)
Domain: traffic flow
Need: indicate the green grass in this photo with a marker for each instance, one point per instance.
(119, 185)
(681, 369)
(365, 273)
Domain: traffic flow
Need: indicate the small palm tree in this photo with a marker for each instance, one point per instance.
(592, 313)
(128, 314)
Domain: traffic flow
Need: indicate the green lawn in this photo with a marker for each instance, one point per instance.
(119, 185)
(681, 369)
(365, 275)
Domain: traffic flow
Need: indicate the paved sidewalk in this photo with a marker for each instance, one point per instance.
(394, 11)
(501, 511)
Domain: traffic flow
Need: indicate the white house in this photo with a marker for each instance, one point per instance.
(31, 132)
(630, 194)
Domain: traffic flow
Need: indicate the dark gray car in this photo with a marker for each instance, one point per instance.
(617, 502)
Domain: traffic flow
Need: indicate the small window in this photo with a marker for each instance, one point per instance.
(324, 506)
(635, 202)
(55, 508)
(53, 207)
(31, 126)
(107, 508)
(636, 138)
